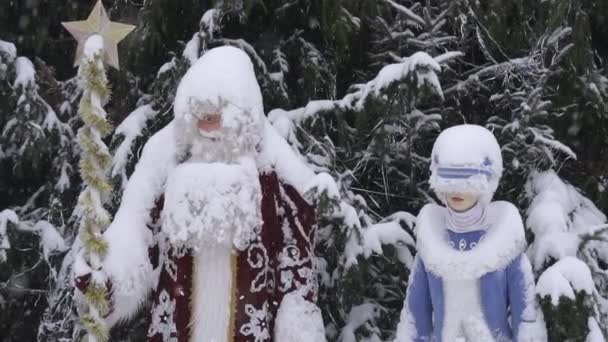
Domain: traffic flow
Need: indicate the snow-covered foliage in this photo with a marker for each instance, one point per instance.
(568, 247)
(539, 86)
(6, 216)
(130, 128)
(8, 53)
(31, 130)
(558, 215)
(564, 278)
(420, 67)
(37, 154)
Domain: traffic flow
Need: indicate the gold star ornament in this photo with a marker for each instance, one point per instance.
(99, 23)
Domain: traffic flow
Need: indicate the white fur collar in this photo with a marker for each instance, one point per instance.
(504, 240)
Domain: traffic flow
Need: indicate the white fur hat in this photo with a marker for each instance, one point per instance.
(222, 80)
(466, 159)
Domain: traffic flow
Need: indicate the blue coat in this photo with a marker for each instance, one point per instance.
(505, 286)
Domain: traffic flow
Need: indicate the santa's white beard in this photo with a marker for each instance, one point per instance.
(208, 204)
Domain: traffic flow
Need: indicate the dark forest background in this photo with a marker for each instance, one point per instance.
(531, 70)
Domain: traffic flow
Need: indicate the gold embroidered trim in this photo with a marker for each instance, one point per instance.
(232, 322)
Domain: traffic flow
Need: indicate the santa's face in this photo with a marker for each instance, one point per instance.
(217, 130)
(461, 201)
(210, 122)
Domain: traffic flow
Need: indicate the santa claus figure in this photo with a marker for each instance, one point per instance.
(213, 230)
(471, 280)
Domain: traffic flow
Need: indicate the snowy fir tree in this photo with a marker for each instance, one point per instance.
(360, 89)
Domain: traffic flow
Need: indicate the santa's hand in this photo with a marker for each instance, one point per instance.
(82, 282)
(82, 272)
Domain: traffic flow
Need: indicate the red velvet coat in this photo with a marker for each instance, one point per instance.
(277, 262)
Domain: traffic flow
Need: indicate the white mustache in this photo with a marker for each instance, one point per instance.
(210, 135)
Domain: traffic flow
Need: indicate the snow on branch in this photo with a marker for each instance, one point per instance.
(425, 67)
(8, 53)
(407, 12)
(420, 63)
(192, 49)
(8, 50)
(25, 73)
(558, 216)
(552, 143)
(50, 239)
(25, 82)
(130, 129)
(210, 22)
(358, 316)
(564, 278)
(446, 57)
(392, 233)
(6, 216)
(249, 49)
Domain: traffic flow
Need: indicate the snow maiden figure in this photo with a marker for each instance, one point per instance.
(471, 280)
(212, 227)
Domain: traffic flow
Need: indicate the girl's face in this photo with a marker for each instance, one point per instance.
(461, 201)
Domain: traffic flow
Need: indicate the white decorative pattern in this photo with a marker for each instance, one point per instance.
(163, 318)
(462, 245)
(291, 258)
(258, 260)
(257, 327)
(170, 255)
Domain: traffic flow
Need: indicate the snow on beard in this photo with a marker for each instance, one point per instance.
(207, 204)
(214, 197)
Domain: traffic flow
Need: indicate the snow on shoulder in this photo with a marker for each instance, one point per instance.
(501, 244)
(276, 155)
(128, 236)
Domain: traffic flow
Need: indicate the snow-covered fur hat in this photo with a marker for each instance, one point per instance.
(222, 80)
(466, 159)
